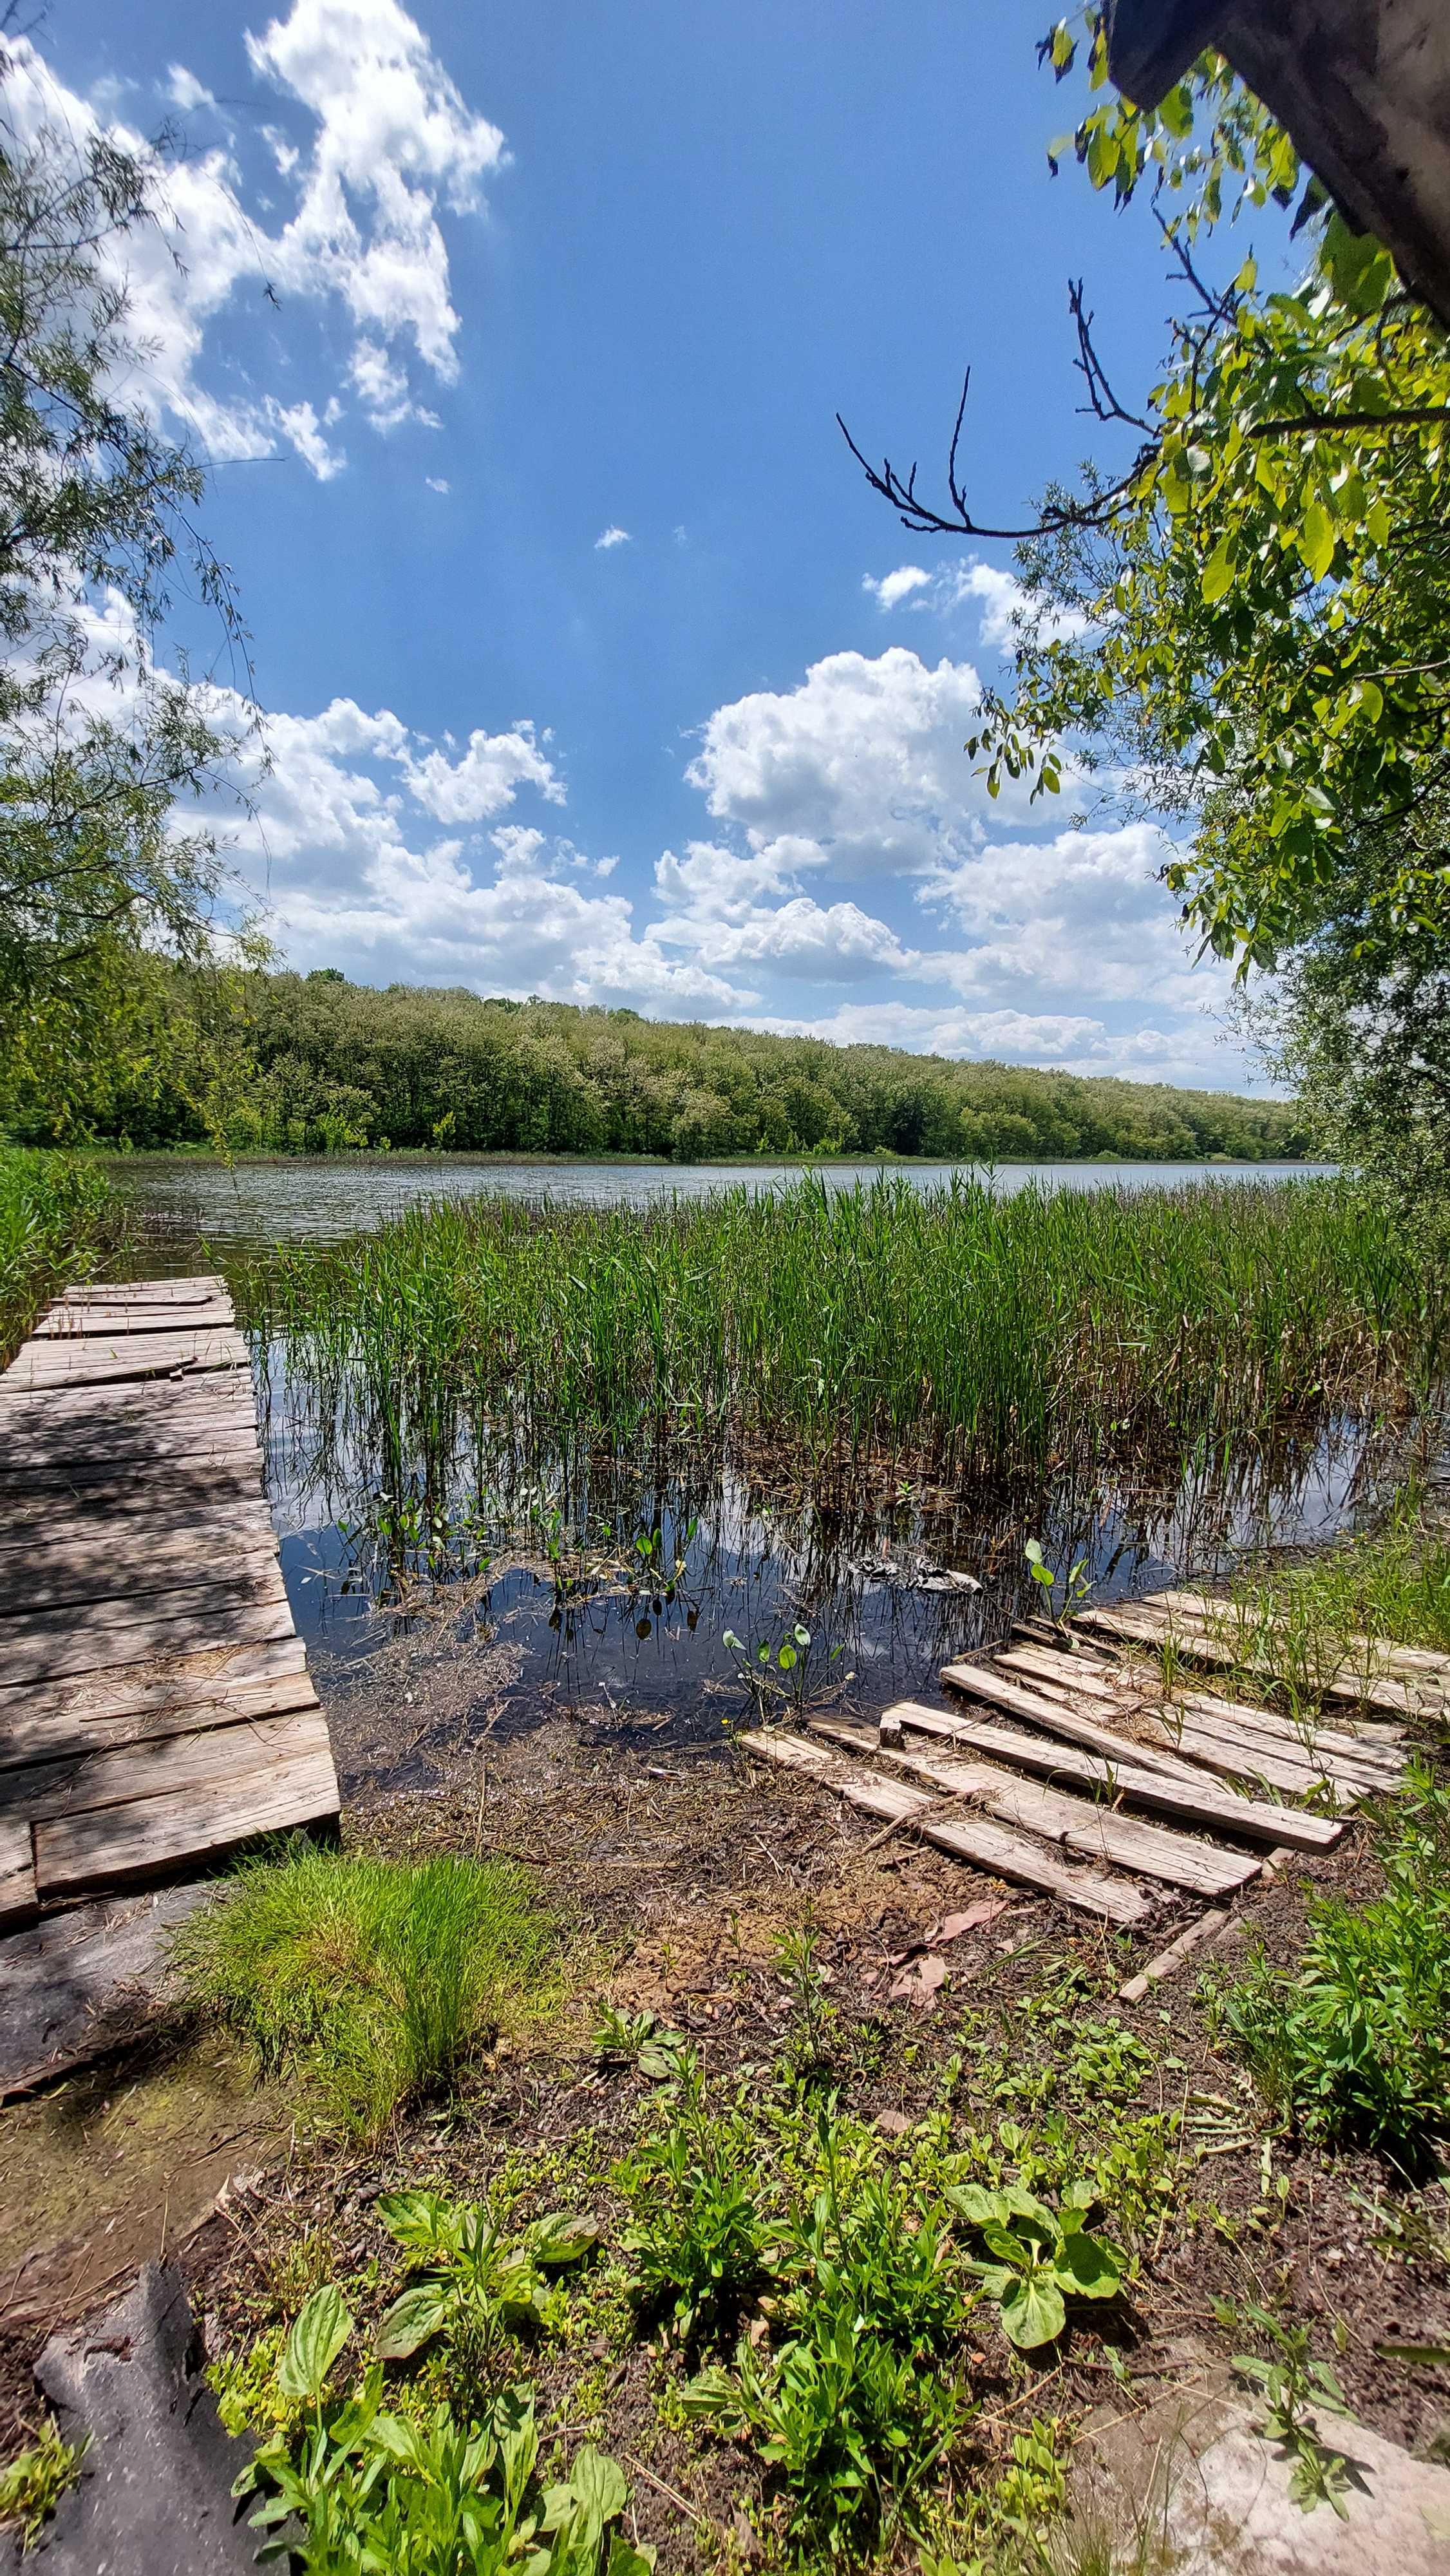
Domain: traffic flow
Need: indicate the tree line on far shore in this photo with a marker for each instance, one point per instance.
(317, 1064)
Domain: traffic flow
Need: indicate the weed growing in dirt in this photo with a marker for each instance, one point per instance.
(471, 2272)
(1354, 2043)
(1039, 2258)
(32, 2485)
(378, 1976)
(698, 2246)
(416, 2492)
(1293, 2385)
(859, 2394)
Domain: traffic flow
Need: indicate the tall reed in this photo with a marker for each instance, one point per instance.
(58, 1216)
(948, 1328)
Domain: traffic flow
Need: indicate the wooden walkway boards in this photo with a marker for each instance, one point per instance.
(155, 1708)
(1071, 1767)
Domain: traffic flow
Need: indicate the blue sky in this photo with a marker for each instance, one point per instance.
(547, 273)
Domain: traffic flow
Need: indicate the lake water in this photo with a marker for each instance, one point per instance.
(188, 1201)
(626, 1629)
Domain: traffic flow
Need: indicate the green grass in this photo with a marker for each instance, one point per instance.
(58, 1219)
(846, 1335)
(1391, 1586)
(1353, 2043)
(377, 1977)
(32, 2484)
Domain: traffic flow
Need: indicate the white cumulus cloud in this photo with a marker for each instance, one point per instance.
(387, 145)
(609, 538)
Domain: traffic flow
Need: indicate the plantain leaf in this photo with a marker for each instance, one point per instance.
(411, 2321)
(321, 2330)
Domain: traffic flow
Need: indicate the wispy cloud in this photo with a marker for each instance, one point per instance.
(610, 538)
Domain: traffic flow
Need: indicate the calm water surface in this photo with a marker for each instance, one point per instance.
(189, 1202)
(626, 1627)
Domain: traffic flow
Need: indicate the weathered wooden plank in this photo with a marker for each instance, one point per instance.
(112, 1618)
(113, 1703)
(979, 1682)
(163, 1466)
(108, 1501)
(1073, 1673)
(71, 1323)
(1403, 1697)
(216, 1392)
(48, 1744)
(1171, 1959)
(63, 1541)
(150, 1836)
(17, 1873)
(214, 1623)
(1244, 1743)
(1317, 1748)
(992, 1847)
(124, 1355)
(1204, 1802)
(195, 1760)
(143, 1292)
(1376, 1654)
(1094, 1832)
(102, 1583)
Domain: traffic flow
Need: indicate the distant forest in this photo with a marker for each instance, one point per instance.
(335, 1065)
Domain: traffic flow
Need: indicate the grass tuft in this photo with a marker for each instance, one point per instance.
(377, 1977)
(32, 2484)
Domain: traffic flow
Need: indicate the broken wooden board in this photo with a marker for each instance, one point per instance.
(1078, 1825)
(1140, 1624)
(999, 1849)
(978, 1681)
(1373, 1654)
(1297, 1757)
(1203, 1802)
(155, 1709)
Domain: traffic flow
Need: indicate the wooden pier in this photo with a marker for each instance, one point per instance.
(155, 1709)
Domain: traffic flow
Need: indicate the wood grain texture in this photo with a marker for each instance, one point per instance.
(155, 1709)
(1205, 1802)
(1075, 1824)
(17, 1873)
(998, 1849)
(152, 1837)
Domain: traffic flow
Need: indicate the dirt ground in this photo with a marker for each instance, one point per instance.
(674, 1874)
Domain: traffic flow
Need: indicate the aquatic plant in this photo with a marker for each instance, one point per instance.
(58, 1216)
(835, 1341)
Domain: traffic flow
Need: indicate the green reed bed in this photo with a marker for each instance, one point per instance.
(58, 1218)
(946, 1328)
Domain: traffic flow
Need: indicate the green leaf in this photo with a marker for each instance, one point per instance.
(1317, 540)
(1422, 2356)
(411, 2321)
(1033, 2312)
(557, 2240)
(1219, 572)
(417, 2220)
(599, 2483)
(982, 2207)
(321, 2330)
(1087, 2267)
